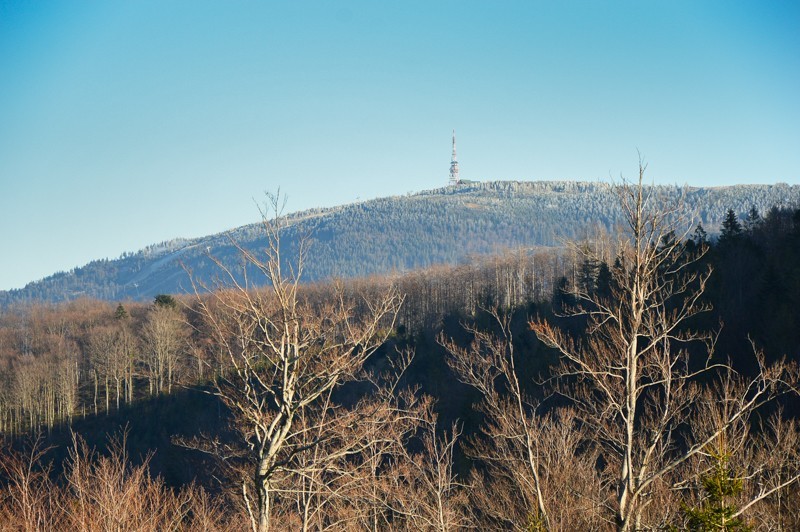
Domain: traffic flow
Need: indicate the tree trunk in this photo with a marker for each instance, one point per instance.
(96, 391)
(264, 503)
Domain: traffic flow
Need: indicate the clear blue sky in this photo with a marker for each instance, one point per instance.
(127, 123)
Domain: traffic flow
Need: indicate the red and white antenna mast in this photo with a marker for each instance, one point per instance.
(454, 180)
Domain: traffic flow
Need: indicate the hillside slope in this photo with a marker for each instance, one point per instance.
(444, 225)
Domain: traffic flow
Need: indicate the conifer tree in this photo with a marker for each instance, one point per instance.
(700, 236)
(720, 485)
(120, 313)
(753, 219)
(731, 228)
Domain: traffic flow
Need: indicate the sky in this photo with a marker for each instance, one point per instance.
(124, 124)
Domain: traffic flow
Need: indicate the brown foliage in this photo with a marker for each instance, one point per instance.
(99, 493)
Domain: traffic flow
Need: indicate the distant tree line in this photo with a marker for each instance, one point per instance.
(58, 361)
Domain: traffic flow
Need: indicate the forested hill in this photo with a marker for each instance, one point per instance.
(394, 234)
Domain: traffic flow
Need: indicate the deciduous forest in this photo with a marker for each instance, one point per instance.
(639, 378)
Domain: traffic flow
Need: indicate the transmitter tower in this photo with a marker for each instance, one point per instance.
(454, 179)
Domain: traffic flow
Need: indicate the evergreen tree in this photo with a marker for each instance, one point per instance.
(165, 300)
(715, 513)
(562, 295)
(731, 228)
(589, 271)
(604, 281)
(753, 219)
(120, 313)
(700, 236)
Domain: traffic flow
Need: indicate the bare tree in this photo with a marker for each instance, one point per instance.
(632, 380)
(533, 471)
(100, 493)
(102, 350)
(124, 356)
(164, 339)
(423, 491)
(25, 500)
(287, 355)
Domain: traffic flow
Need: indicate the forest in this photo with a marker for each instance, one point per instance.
(383, 236)
(642, 377)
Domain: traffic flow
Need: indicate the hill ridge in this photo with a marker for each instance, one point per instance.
(395, 233)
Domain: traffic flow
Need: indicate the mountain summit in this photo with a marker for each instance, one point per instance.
(399, 233)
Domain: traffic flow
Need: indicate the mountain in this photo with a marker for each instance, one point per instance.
(444, 225)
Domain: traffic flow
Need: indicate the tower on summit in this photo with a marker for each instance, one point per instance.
(454, 179)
